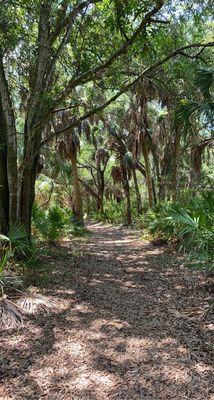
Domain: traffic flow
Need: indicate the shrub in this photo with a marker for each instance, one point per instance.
(50, 224)
(192, 223)
(15, 244)
(19, 241)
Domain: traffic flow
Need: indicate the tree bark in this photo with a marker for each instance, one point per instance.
(165, 170)
(193, 178)
(196, 160)
(77, 192)
(11, 141)
(4, 190)
(148, 172)
(126, 189)
(176, 159)
(101, 188)
(137, 191)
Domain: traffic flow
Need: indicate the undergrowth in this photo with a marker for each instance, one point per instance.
(190, 224)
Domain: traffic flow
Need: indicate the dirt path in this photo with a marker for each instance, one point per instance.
(128, 325)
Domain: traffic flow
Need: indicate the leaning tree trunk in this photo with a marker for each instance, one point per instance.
(77, 191)
(137, 191)
(126, 189)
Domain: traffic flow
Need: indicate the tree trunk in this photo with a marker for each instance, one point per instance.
(4, 190)
(197, 158)
(165, 169)
(157, 167)
(27, 175)
(126, 189)
(11, 141)
(77, 191)
(28, 194)
(145, 148)
(154, 192)
(101, 187)
(137, 191)
(193, 176)
(176, 154)
(148, 172)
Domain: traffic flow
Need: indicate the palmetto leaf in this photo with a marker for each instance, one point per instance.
(190, 107)
(18, 237)
(4, 238)
(32, 302)
(185, 219)
(204, 80)
(202, 104)
(10, 315)
(11, 281)
(17, 232)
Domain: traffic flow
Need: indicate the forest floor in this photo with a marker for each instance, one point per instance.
(130, 322)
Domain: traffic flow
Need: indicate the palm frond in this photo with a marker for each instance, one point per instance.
(204, 80)
(202, 103)
(10, 314)
(18, 237)
(33, 302)
(4, 238)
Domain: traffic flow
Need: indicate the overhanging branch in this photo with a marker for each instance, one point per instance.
(91, 73)
(146, 72)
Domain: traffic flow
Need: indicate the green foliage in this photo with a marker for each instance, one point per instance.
(51, 224)
(202, 105)
(192, 224)
(114, 213)
(18, 246)
(19, 240)
(15, 245)
(5, 252)
(204, 80)
(78, 231)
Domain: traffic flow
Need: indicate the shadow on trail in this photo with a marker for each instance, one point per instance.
(121, 331)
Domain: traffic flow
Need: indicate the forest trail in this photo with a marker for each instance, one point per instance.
(129, 324)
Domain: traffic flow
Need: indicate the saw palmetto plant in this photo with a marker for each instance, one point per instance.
(12, 310)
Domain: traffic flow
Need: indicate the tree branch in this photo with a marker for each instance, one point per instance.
(70, 19)
(68, 24)
(160, 21)
(87, 187)
(89, 168)
(90, 74)
(126, 87)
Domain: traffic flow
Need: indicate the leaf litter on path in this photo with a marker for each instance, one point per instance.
(128, 323)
